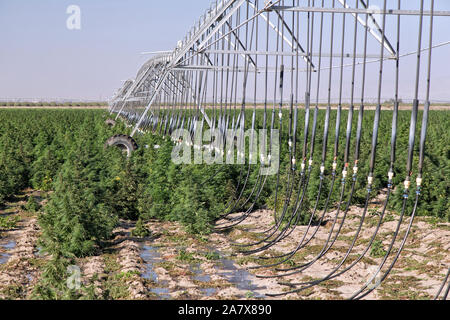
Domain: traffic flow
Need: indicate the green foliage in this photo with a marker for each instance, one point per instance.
(52, 284)
(185, 256)
(377, 249)
(123, 193)
(435, 187)
(78, 215)
(9, 223)
(32, 205)
(61, 152)
(182, 193)
(212, 255)
(140, 230)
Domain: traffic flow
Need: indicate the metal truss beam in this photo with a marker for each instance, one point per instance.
(359, 11)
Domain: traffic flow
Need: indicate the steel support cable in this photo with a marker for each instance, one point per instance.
(283, 231)
(259, 177)
(293, 220)
(325, 249)
(233, 89)
(180, 108)
(444, 297)
(296, 213)
(326, 125)
(273, 115)
(285, 205)
(294, 160)
(175, 105)
(442, 287)
(262, 158)
(338, 120)
(302, 184)
(326, 122)
(349, 122)
(264, 125)
(309, 83)
(330, 275)
(288, 254)
(360, 293)
(336, 145)
(170, 105)
(191, 104)
(242, 119)
(289, 188)
(256, 15)
(300, 244)
(214, 94)
(280, 129)
(263, 181)
(248, 171)
(242, 135)
(291, 174)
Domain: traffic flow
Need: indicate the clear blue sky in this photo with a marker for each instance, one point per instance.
(41, 58)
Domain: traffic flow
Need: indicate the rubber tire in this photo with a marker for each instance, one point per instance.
(122, 141)
(111, 123)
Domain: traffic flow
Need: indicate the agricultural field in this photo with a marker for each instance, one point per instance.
(143, 227)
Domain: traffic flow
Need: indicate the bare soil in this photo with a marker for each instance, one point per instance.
(173, 264)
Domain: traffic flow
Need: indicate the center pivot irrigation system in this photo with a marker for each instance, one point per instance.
(287, 57)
